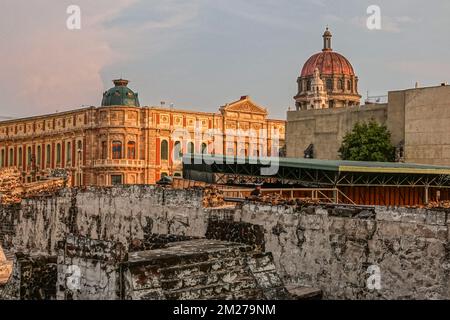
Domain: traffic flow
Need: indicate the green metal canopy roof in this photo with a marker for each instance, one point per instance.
(219, 169)
(335, 165)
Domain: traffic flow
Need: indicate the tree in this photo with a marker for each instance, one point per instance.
(368, 142)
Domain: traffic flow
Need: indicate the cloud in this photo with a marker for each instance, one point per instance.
(49, 67)
(388, 23)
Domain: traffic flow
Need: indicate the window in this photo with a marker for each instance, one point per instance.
(164, 174)
(329, 84)
(330, 104)
(29, 156)
(177, 174)
(58, 154)
(20, 157)
(308, 85)
(164, 150)
(204, 148)
(116, 150)
(300, 86)
(104, 150)
(116, 179)
(340, 85)
(131, 150)
(38, 156)
(79, 152)
(11, 157)
(191, 148)
(48, 155)
(177, 151)
(349, 85)
(69, 152)
(2, 159)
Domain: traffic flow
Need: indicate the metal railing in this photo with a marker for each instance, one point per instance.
(119, 162)
(321, 195)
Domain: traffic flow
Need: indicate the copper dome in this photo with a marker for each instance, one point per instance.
(328, 62)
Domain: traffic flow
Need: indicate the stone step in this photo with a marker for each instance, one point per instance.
(209, 291)
(191, 252)
(210, 266)
(220, 277)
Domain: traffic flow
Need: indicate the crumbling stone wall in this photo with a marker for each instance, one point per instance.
(88, 269)
(33, 278)
(111, 214)
(333, 249)
(330, 248)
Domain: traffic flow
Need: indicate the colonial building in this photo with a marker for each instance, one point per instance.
(123, 143)
(327, 80)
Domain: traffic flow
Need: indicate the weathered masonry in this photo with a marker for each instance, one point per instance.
(327, 247)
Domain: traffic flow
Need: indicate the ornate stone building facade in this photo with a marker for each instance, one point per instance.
(123, 143)
(327, 80)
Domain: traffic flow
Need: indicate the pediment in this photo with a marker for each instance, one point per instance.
(244, 105)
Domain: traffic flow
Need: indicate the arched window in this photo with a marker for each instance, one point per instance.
(117, 150)
(164, 150)
(177, 151)
(48, 155)
(191, 148)
(131, 150)
(204, 148)
(20, 157)
(2, 158)
(29, 156)
(300, 86)
(308, 85)
(58, 154)
(340, 85)
(11, 157)
(69, 152)
(349, 85)
(329, 84)
(38, 156)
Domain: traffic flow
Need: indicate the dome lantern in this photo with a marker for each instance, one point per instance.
(327, 40)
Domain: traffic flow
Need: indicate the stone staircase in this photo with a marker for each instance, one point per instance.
(202, 269)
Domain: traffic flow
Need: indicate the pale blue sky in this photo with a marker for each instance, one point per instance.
(202, 54)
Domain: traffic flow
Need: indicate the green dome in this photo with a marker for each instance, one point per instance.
(120, 95)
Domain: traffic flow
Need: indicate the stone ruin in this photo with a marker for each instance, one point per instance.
(145, 242)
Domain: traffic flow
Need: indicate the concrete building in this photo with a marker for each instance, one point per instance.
(123, 143)
(418, 119)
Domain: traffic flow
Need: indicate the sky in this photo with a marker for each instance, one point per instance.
(202, 54)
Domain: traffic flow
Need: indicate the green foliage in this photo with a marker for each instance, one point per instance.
(368, 142)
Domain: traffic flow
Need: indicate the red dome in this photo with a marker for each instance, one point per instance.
(328, 62)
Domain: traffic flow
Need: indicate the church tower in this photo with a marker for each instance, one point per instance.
(327, 80)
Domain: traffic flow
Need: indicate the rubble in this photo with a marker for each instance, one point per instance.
(12, 190)
(213, 197)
